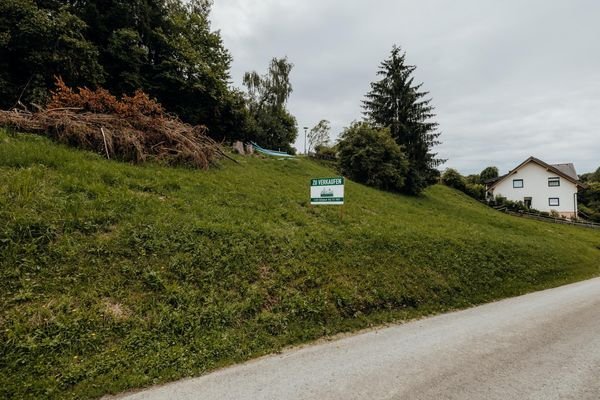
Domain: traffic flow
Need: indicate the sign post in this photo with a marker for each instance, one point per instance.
(327, 191)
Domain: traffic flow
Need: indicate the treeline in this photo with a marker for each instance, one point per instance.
(168, 50)
(473, 185)
(164, 47)
(589, 198)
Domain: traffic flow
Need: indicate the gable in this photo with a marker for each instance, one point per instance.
(565, 172)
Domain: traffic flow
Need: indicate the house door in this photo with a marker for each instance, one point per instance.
(527, 202)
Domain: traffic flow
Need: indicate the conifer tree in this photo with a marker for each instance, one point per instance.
(397, 102)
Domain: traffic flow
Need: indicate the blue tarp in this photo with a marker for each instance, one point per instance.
(274, 153)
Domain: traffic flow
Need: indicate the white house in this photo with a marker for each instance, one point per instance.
(541, 186)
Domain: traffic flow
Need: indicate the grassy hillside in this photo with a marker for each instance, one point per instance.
(115, 276)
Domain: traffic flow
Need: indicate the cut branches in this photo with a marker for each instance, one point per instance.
(134, 128)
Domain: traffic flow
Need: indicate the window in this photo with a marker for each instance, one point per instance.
(554, 201)
(554, 181)
(517, 183)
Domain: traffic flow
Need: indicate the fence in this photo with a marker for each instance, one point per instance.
(538, 217)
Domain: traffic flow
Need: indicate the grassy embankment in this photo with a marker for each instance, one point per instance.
(115, 276)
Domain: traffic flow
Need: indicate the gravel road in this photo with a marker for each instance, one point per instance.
(544, 345)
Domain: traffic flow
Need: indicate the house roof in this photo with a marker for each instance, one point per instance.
(566, 171)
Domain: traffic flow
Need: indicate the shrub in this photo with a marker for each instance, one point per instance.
(469, 185)
(454, 179)
(475, 190)
(370, 155)
(473, 179)
(509, 204)
(589, 213)
(324, 152)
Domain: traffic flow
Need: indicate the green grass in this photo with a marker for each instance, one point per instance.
(114, 276)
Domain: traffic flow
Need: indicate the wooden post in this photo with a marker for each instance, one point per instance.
(105, 144)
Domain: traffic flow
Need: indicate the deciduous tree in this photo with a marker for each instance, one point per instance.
(319, 135)
(488, 173)
(166, 48)
(37, 43)
(267, 95)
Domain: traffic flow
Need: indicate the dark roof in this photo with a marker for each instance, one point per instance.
(494, 180)
(566, 171)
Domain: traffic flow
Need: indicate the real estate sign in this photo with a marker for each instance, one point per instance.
(327, 191)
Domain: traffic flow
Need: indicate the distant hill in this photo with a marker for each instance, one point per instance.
(115, 276)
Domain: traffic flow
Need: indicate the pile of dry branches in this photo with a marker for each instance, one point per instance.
(133, 128)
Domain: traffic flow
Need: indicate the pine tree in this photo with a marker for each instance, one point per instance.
(397, 102)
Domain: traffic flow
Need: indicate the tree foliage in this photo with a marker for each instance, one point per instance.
(591, 176)
(370, 155)
(319, 135)
(271, 123)
(489, 173)
(454, 179)
(469, 185)
(325, 152)
(164, 47)
(397, 102)
(37, 43)
(589, 197)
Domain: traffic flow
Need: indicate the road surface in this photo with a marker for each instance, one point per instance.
(544, 345)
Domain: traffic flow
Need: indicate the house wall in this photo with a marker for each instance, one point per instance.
(535, 185)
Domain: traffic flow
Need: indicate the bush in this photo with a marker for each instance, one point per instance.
(475, 190)
(324, 152)
(473, 179)
(454, 179)
(370, 155)
(589, 213)
(509, 204)
(468, 185)
(589, 199)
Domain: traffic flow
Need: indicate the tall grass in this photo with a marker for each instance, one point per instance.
(114, 276)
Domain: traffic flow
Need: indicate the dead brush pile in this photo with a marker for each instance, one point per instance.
(134, 128)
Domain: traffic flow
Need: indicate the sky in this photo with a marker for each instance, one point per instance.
(508, 79)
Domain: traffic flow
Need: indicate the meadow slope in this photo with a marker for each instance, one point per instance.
(115, 276)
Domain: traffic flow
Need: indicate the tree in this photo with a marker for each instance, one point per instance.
(267, 95)
(38, 43)
(589, 200)
(592, 176)
(469, 185)
(370, 155)
(272, 89)
(397, 102)
(589, 197)
(319, 135)
(164, 47)
(473, 179)
(488, 173)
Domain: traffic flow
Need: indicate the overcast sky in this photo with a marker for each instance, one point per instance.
(508, 79)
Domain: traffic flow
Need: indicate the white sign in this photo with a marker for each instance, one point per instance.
(327, 191)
